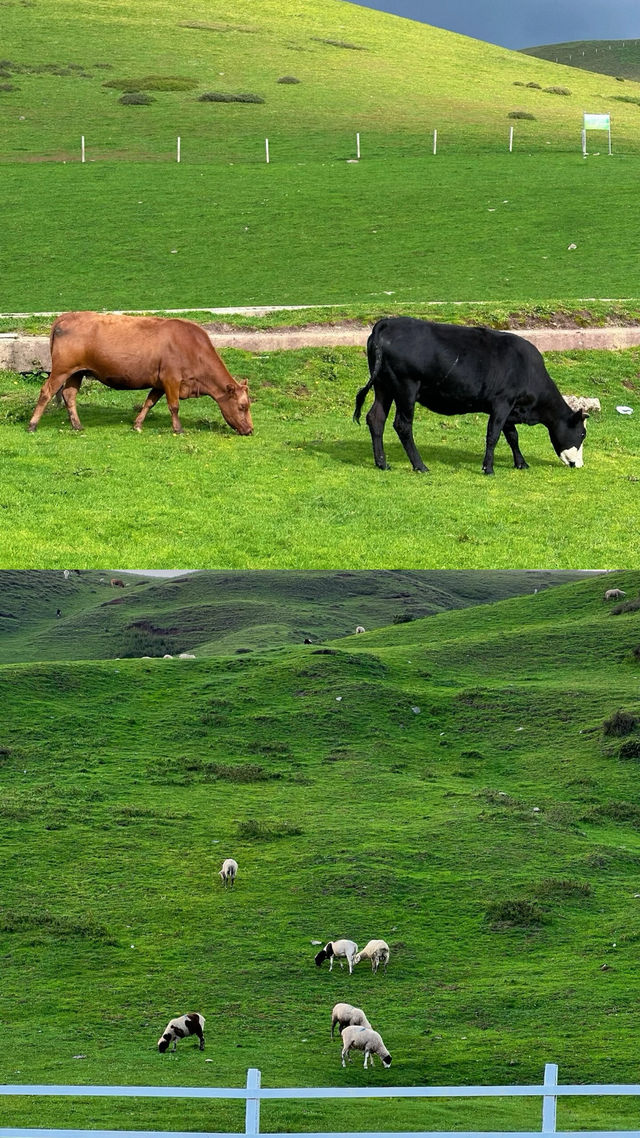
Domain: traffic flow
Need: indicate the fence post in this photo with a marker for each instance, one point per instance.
(178, 150)
(252, 1113)
(549, 1101)
(357, 144)
(435, 142)
(266, 149)
(82, 148)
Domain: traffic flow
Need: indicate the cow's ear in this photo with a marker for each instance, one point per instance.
(231, 388)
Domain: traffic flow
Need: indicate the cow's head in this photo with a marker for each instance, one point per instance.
(235, 406)
(568, 436)
(164, 1041)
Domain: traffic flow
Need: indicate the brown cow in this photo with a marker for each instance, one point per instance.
(171, 357)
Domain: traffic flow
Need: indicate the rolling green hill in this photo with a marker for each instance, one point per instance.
(212, 613)
(464, 786)
(620, 58)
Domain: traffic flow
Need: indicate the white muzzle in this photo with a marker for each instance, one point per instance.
(572, 456)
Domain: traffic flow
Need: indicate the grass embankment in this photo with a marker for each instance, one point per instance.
(303, 490)
(221, 613)
(374, 236)
(620, 58)
(491, 836)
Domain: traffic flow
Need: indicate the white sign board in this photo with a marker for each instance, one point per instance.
(597, 122)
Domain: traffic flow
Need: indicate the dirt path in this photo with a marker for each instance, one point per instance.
(31, 353)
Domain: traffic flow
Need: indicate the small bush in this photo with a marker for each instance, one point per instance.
(561, 888)
(626, 606)
(340, 43)
(630, 749)
(620, 723)
(267, 831)
(616, 812)
(225, 97)
(627, 99)
(557, 90)
(403, 618)
(520, 115)
(515, 914)
(136, 99)
(8, 87)
(518, 83)
(288, 79)
(534, 85)
(636, 652)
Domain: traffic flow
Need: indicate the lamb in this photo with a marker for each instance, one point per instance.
(377, 951)
(345, 1015)
(367, 1040)
(614, 594)
(178, 1028)
(338, 948)
(228, 871)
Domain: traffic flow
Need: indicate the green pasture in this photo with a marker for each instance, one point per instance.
(303, 490)
(382, 233)
(491, 837)
(66, 65)
(619, 58)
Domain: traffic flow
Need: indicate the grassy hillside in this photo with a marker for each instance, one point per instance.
(491, 836)
(620, 58)
(303, 490)
(214, 613)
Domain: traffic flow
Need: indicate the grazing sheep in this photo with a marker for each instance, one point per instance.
(191, 1024)
(367, 1040)
(377, 951)
(345, 1015)
(360, 629)
(338, 948)
(228, 871)
(614, 594)
(186, 656)
(66, 574)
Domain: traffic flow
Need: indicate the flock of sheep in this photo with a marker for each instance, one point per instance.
(355, 1029)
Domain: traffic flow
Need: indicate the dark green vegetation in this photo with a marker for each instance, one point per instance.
(450, 784)
(618, 58)
(303, 490)
(220, 613)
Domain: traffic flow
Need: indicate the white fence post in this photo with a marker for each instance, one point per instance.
(266, 149)
(435, 141)
(82, 148)
(510, 139)
(252, 1113)
(178, 150)
(549, 1101)
(358, 144)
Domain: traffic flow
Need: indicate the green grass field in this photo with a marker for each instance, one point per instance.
(491, 837)
(303, 492)
(620, 58)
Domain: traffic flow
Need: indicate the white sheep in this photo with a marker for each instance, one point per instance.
(178, 1028)
(614, 594)
(345, 1015)
(338, 948)
(228, 871)
(360, 629)
(367, 1040)
(377, 951)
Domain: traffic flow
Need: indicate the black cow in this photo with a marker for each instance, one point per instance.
(453, 370)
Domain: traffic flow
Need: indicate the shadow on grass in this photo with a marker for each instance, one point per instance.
(123, 417)
(350, 453)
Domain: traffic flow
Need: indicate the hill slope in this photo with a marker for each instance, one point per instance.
(459, 786)
(620, 58)
(210, 612)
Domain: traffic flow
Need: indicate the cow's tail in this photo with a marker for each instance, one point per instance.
(374, 343)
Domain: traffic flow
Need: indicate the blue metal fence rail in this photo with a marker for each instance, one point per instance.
(253, 1094)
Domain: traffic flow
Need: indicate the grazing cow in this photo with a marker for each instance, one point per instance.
(171, 357)
(614, 594)
(453, 370)
(116, 583)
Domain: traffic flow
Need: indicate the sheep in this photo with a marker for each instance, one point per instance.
(377, 951)
(367, 1040)
(345, 1015)
(338, 948)
(178, 1028)
(360, 629)
(228, 871)
(186, 656)
(614, 594)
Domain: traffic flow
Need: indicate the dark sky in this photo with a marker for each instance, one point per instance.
(524, 23)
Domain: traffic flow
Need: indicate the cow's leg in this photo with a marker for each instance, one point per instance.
(172, 392)
(495, 426)
(511, 435)
(69, 395)
(403, 425)
(154, 395)
(47, 392)
(376, 419)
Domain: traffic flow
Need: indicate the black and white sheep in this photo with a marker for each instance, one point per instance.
(228, 871)
(377, 951)
(338, 949)
(181, 1026)
(345, 1015)
(367, 1040)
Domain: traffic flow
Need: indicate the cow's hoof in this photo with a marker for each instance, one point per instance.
(421, 469)
(31, 428)
(485, 471)
(521, 465)
(138, 429)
